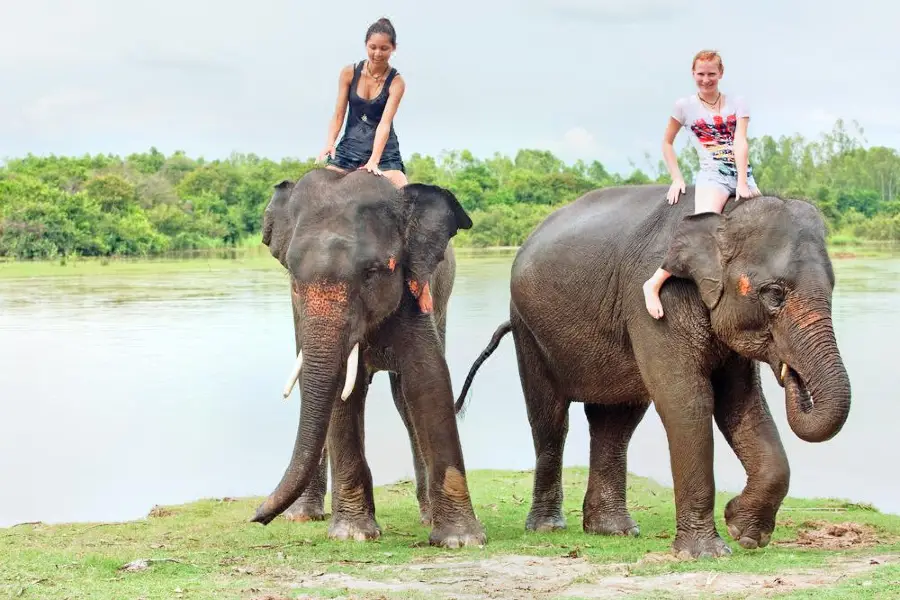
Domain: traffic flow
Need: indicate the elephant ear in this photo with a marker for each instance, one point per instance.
(278, 224)
(696, 253)
(433, 215)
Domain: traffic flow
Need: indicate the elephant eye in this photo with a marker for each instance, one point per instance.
(376, 268)
(772, 295)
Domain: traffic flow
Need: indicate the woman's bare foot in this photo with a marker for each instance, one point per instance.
(651, 297)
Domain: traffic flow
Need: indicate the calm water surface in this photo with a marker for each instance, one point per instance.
(125, 391)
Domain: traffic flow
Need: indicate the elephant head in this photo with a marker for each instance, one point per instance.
(356, 248)
(763, 272)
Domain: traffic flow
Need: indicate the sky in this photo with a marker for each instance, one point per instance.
(587, 79)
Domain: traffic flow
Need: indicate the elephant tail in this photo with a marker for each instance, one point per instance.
(504, 328)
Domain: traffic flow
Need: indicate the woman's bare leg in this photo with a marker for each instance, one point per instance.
(397, 177)
(706, 199)
(334, 168)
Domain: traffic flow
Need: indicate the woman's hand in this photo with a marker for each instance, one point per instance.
(676, 187)
(328, 151)
(372, 167)
(743, 191)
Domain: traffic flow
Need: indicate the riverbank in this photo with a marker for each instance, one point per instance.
(820, 548)
(258, 258)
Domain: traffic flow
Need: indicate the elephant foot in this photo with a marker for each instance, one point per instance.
(747, 526)
(458, 536)
(305, 512)
(544, 523)
(361, 530)
(612, 525)
(688, 547)
(425, 516)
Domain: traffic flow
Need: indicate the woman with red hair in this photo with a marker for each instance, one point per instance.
(718, 127)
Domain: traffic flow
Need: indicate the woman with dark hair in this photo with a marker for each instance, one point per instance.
(372, 89)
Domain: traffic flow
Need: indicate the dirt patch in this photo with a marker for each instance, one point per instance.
(158, 512)
(822, 535)
(520, 577)
(512, 577)
(705, 584)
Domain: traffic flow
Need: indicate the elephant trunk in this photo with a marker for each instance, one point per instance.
(322, 378)
(816, 385)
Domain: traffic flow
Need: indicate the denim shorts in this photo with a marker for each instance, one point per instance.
(724, 182)
(349, 159)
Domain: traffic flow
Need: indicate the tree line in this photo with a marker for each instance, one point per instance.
(148, 203)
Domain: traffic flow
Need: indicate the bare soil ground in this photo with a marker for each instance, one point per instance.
(521, 577)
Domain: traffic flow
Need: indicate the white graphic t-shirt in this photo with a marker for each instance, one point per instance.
(712, 134)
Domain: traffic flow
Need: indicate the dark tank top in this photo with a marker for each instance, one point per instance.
(364, 116)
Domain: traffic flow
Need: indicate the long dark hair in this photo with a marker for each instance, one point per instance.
(382, 25)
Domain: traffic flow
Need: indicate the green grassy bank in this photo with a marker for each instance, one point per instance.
(208, 549)
(257, 257)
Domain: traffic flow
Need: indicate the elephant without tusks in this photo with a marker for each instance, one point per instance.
(753, 284)
(371, 270)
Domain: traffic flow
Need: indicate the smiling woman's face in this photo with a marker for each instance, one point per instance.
(707, 74)
(379, 48)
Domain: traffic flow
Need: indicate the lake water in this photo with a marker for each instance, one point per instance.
(125, 391)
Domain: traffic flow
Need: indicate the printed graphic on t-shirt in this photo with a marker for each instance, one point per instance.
(718, 139)
(713, 135)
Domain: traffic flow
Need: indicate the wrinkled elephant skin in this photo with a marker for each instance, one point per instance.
(751, 285)
(359, 254)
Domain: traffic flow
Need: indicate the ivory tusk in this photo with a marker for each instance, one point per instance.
(295, 375)
(352, 364)
(784, 371)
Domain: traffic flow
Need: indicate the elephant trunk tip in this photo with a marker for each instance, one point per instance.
(816, 415)
(264, 514)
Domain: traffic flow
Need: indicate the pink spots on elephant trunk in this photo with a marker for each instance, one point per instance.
(744, 286)
(801, 315)
(322, 299)
(422, 292)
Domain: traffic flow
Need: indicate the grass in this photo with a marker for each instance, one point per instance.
(258, 258)
(208, 549)
(243, 257)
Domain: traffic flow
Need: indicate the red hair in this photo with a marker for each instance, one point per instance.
(708, 55)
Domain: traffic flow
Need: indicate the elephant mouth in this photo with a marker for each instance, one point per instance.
(349, 380)
(790, 380)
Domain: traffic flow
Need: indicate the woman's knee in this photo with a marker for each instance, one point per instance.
(398, 178)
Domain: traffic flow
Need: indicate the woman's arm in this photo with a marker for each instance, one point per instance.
(398, 86)
(340, 109)
(741, 149)
(668, 150)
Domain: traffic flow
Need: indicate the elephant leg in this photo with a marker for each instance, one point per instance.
(418, 461)
(548, 414)
(352, 500)
(311, 505)
(611, 427)
(744, 420)
(426, 387)
(683, 397)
